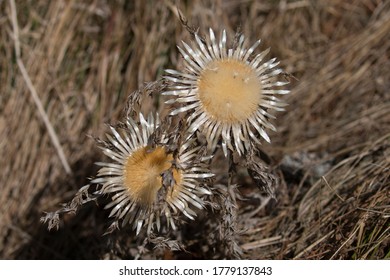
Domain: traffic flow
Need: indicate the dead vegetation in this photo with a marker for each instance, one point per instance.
(83, 58)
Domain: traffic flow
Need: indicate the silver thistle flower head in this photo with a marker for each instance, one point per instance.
(135, 178)
(227, 92)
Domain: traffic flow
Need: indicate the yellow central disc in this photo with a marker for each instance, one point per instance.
(142, 174)
(229, 90)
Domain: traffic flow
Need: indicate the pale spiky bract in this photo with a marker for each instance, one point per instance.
(227, 92)
(135, 182)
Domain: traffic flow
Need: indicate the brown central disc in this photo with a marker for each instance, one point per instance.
(142, 173)
(229, 90)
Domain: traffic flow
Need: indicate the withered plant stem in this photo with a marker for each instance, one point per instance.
(37, 101)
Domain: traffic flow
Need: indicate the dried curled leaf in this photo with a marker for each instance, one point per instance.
(82, 197)
(135, 98)
(260, 174)
(166, 243)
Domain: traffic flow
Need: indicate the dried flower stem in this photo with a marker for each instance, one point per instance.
(38, 103)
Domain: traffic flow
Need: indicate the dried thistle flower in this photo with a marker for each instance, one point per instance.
(226, 91)
(145, 182)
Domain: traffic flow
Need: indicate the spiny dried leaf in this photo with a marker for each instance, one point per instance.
(136, 98)
(228, 231)
(166, 243)
(113, 227)
(81, 197)
(259, 172)
(53, 220)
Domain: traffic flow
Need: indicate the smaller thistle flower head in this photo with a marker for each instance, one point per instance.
(137, 179)
(227, 91)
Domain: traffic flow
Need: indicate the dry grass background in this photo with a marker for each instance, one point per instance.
(332, 151)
